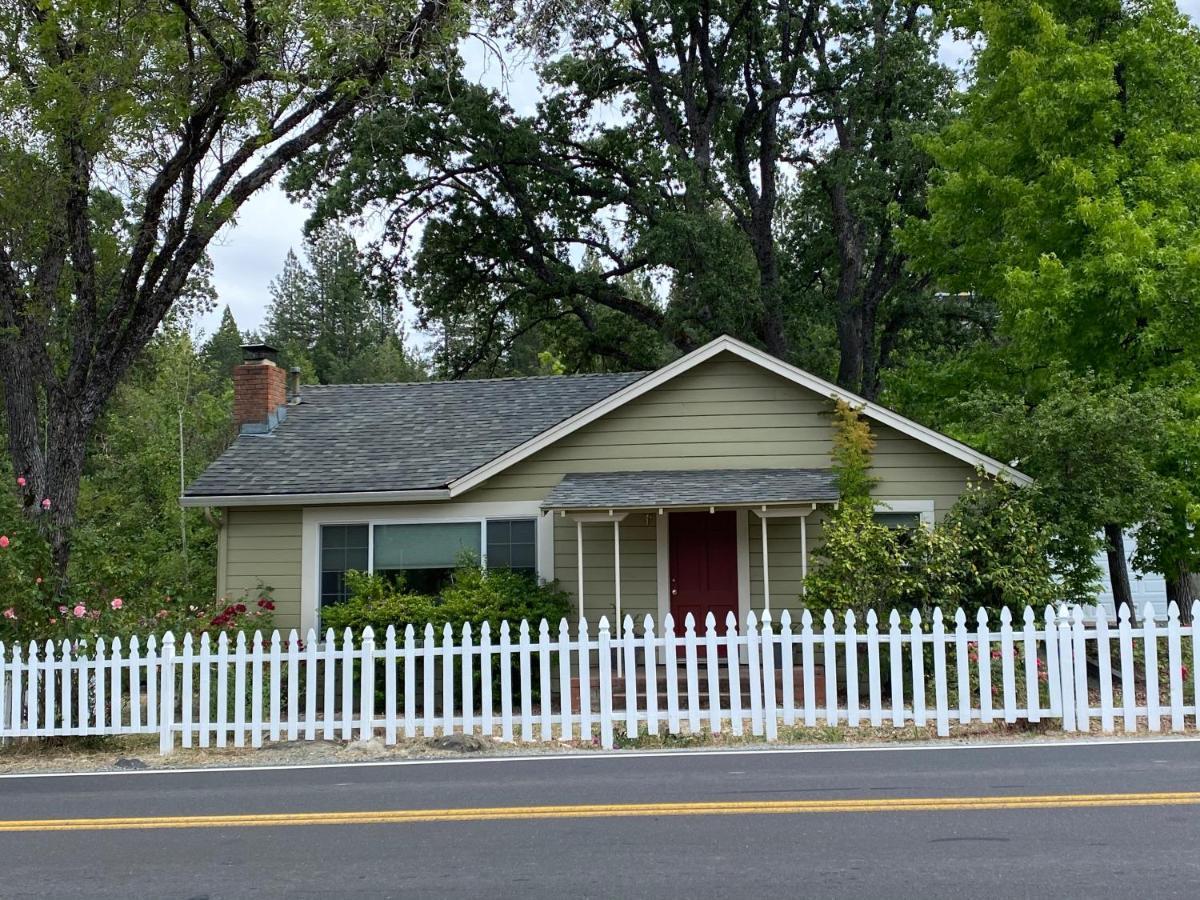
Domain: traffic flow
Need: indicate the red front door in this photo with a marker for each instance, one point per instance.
(703, 567)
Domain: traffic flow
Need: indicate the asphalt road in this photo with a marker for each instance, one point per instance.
(812, 824)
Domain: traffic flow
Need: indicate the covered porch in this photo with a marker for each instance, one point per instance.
(719, 541)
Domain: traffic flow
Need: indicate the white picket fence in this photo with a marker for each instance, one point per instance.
(527, 684)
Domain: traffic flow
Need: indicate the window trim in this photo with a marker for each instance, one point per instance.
(314, 518)
(924, 507)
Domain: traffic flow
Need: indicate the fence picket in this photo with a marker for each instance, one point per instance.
(347, 678)
(49, 685)
(276, 661)
(809, 676)
(506, 717)
(606, 708)
(68, 677)
(468, 680)
(671, 664)
(1153, 697)
(853, 712)
(6, 721)
(151, 683)
(1079, 648)
(523, 654)
(733, 661)
(366, 699)
(1128, 697)
(873, 689)
(16, 704)
(485, 680)
(1194, 674)
(770, 706)
(940, 691)
(566, 713)
(410, 681)
(1033, 692)
(239, 690)
(293, 685)
(1104, 664)
(311, 684)
(983, 650)
(1066, 664)
(693, 677)
(916, 647)
(787, 669)
(711, 664)
(628, 650)
(829, 647)
(754, 674)
(1175, 666)
(427, 679)
(896, 659)
(166, 696)
(650, 655)
(101, 693)
(585, 682)
(223, 688)
(447, 679)
(205, 688)
(135, 685)
(1007, 667)
(257, 662)
(544, 697)
(389, 685)
(962, 666)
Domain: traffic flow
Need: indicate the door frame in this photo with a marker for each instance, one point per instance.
(663, 558)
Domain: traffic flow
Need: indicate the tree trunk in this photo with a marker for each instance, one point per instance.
(1118, 570)
(1183, 589)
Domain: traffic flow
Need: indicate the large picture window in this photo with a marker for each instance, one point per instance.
(423, 554)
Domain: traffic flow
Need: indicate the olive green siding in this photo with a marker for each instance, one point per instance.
(262, 546)
(722, 414)
(639, 566)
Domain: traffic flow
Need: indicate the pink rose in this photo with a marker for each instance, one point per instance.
(9, 614)
(20, 481)
(117, 603)
(38, 580)
(80, 611)
(161, 614)
(53, 621)
(46, 503)
(4, 542)
(62, 609)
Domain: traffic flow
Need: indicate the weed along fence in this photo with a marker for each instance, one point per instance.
(535, 683)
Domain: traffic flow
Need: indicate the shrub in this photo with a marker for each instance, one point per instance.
(473, 595)
(990, 551)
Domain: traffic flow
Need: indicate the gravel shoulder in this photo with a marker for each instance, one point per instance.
(107, 754)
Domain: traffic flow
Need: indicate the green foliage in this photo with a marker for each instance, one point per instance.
(990, 551)
(851, 455)
(331, 318)
(473, 595)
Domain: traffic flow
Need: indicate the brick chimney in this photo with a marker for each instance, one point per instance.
(259, 390)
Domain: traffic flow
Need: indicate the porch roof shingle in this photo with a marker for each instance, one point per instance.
(705, 487)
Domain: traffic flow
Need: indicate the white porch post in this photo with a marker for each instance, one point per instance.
(766, 573)
(617, 586)
(579, 562)
(803, 553)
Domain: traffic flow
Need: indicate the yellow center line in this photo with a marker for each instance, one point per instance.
(591, 811)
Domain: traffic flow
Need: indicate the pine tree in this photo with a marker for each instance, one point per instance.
(223, 350)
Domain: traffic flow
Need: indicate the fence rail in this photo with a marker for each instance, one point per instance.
(540, 684)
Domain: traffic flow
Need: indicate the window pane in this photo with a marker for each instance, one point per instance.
(898, 519)
(343, 547)
(512, 544)
(438, 545)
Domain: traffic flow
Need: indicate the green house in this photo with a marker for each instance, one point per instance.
(699, 487)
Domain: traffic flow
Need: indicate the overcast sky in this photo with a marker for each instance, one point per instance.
(249, 255)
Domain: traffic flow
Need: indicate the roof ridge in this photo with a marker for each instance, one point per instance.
(503, 378)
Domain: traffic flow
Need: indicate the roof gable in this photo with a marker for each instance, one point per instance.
(726, 344)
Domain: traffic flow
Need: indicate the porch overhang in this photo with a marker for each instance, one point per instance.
(598, 492)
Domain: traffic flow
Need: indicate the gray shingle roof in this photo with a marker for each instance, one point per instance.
(398, 437)
(612, 490)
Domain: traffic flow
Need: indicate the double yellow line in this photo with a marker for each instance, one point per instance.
(599, 811)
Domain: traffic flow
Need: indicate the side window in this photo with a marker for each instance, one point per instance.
(343, 548)
(512, 544)
(899, 519)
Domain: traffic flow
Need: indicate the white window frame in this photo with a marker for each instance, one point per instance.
(314, 518)
(924, 507)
